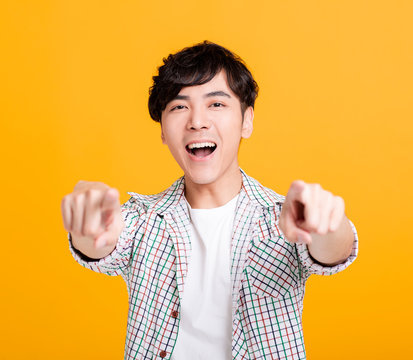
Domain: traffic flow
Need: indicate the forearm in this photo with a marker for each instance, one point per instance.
(334, 247)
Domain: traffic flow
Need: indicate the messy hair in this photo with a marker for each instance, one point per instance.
(196, 65)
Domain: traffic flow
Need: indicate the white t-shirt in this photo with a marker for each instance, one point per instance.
(205, 329)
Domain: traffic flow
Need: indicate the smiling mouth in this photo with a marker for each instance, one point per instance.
(201, 150)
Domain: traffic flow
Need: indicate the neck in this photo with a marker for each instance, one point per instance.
(218, 193)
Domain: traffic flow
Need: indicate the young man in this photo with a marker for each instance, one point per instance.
(216, 264)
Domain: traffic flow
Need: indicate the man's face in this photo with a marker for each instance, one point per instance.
(203, 127)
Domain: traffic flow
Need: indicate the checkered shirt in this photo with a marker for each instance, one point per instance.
(268, 274)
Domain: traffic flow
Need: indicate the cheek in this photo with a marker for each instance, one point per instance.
(232, 132)
(168, 133)
(172, 140)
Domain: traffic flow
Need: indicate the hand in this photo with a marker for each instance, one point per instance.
(91, 213)
(310, 209)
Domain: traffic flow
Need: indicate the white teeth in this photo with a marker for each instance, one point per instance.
(201, 145)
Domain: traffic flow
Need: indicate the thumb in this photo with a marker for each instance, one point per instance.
(302, 237)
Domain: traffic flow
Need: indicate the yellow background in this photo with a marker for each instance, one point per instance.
(335, 107)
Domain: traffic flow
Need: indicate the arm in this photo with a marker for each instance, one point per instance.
(314, 216)
(91, 213)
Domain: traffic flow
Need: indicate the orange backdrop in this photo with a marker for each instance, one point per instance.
(335, 107)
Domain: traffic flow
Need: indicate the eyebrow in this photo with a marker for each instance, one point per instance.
(217, 93)
(210, 94)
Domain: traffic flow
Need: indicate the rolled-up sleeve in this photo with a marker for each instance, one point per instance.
(117, 262)
(310, 266)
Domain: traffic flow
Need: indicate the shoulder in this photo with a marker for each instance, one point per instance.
(157, 202)
(142, 202)
(276, 197)
(261, 194)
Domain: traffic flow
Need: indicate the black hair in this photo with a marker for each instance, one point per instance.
(196, 65)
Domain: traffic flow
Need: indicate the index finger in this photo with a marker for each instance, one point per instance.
(297, 191)
(291, 231)
(110, 200)
(110, 204)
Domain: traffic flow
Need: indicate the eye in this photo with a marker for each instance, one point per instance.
(178, 107)
(217, 104)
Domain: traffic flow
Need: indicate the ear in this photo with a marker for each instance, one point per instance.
(247, 126)
(163, 136)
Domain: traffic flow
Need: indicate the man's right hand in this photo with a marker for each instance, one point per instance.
(91, 213)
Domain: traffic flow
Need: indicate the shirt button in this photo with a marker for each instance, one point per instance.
(174, 314)
(162, 354)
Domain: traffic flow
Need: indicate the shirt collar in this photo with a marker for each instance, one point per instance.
(258, 194)
(168, 200)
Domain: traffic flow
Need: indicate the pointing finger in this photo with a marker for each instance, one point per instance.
(290, 229)
(110, 236)
(296, 191)
(110, 204)
(92, 218)
(110, 200)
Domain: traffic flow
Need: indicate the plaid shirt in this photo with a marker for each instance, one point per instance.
(268, 274)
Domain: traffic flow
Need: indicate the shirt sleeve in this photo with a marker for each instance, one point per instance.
(117, 262)
(310, 266)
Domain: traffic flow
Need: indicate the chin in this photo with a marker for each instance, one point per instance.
(201, 177)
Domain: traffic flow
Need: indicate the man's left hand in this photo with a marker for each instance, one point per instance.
(308, 208)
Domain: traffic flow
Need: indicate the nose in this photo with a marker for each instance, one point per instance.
(198, 120)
